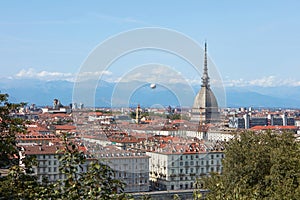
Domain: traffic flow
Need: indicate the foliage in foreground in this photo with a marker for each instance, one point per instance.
(96, 182)
(8, 128)
(258, 166)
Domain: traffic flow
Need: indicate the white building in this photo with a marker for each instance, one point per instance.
(47, 161)
(220, 135)
(175, 170)
(130, 167)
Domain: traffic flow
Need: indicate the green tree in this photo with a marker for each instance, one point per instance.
(19, 183)
(258, 166)
(97, 182)
(9, 127)
(174, 116)
(176, 197)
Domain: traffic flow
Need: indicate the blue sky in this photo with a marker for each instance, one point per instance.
(251, 42)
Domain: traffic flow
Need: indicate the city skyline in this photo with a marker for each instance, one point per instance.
(149, 100)
(251, 44)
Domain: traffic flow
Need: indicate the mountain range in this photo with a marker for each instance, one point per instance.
(42, 93)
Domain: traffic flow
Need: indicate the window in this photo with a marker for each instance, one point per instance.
(172, 187)
(180, 157)
(212, 156)
(54, 169)
(181, 163)
(181, 171)
(192, 157)
(173, 171)
(173, 164)
(197, 156)
(186, 163)
(212, 162)
(192, 163)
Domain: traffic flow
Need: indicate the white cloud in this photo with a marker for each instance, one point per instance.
(94, 74)
(43, 75)
(83, 76)
(48, 76)
(267, 81)
(162, 74)
(152, 73)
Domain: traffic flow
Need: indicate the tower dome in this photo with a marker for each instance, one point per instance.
(205, 108)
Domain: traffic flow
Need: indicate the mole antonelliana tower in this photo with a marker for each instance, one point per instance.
(205, 108)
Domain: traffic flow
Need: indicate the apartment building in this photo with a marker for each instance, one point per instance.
(47, 161)
(128, 166)
(177, 167)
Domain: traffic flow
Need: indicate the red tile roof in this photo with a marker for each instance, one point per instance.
(40, 149)
(65, 127)
(257, 128)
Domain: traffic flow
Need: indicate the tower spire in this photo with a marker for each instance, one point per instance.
(205, 78)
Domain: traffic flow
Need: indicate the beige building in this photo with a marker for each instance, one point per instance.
(47, 161)
(178, 169)
(130, 167)
(205, 108)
